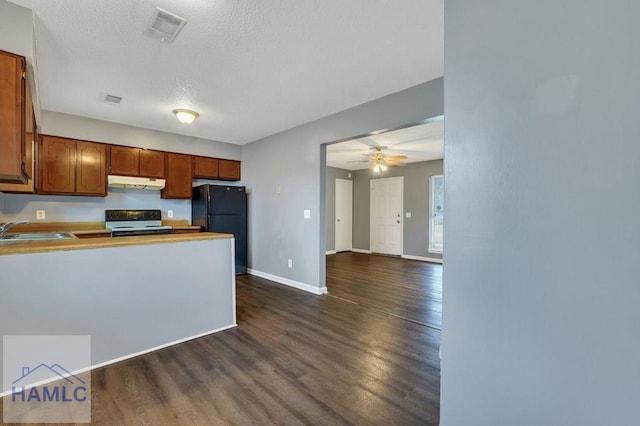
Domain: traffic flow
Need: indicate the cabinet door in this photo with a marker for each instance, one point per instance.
(124, 160)
(56, 165)
(31, 140)
(204, 167)
(12, 118)
(178, 176)
(229, 170)
(151, 163)
(91, 168)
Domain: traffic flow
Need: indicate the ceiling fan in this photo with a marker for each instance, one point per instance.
(380, 161)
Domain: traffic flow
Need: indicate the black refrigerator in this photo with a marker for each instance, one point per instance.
(222, 208)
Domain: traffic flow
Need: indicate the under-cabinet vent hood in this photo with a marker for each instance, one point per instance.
(135, 182)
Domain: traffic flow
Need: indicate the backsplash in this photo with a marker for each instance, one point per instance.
(88, 209)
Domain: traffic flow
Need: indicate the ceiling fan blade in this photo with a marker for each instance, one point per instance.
(394, 163)
(358, 161)
(373, 165)
(397, 157)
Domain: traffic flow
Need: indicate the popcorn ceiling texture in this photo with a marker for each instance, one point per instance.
(251, 68)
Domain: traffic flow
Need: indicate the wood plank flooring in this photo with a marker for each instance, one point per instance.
(409, 289)
(367, 354)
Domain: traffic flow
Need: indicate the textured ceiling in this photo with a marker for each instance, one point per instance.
(423, 142)
(250, 68)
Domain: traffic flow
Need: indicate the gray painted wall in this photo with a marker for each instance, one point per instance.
(16, 29)
(90, 209)
(541, 146)
(333, 173)
(277, 229)
(73, 126)
(416, 200)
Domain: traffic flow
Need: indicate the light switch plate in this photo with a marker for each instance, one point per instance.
(307, 214)
(169, 213)
(407, 214)
(40, 215)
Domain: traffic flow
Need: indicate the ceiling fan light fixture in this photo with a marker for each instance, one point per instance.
(186, 116)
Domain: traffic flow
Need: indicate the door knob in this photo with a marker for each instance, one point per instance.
(398, 221)
(338, 220)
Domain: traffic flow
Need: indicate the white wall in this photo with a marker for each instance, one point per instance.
(292, 160)
(541, 279)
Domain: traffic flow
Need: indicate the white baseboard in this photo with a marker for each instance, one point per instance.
(356, 250)
(286, 281)
(123, 358)
(421, 258)
(330, 252)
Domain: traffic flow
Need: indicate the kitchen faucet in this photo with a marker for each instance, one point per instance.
(6, 226)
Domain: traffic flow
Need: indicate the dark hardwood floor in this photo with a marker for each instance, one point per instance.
(405, 288)
(366, 354)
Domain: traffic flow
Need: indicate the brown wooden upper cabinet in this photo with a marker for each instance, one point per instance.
(228, 170)
(178, 176)
(130, 161)
(12, 119)
(204, 167)
(30, 140)
(71, 167)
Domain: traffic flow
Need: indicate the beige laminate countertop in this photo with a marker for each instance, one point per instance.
(23, 247)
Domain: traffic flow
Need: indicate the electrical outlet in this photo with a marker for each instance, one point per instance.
(169, 213)
(290, 263)
(407, 215)
(40, 215)
(307, 214)
(278, 190)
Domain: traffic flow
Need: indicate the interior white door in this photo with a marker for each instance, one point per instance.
(386, 215)
(344, 214)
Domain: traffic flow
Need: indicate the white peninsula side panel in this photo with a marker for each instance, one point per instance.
(129, 299)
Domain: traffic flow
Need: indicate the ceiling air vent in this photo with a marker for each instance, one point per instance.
(112, 99)
(165, 25)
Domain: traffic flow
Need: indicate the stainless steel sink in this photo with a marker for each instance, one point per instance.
(36, 237)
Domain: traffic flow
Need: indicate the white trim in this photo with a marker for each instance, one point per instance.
(355, 250)
(126, 357)
(434, 251)
(422, 258)
(330, 252)
(286, 281)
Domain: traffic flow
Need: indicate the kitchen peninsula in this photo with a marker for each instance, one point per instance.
(131, 294)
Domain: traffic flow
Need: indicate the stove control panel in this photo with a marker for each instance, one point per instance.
(132, 215)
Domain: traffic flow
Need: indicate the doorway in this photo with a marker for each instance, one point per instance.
(386, 215)
(344, 215)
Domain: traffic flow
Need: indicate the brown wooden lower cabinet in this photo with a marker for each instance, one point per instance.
(186, 231)
(178, 176)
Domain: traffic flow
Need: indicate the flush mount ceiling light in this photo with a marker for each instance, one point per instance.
(185, 115)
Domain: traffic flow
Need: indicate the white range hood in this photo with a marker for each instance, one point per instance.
(135, 182)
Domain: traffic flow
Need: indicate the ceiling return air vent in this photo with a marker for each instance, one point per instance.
(165, 26)
(113, 99)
